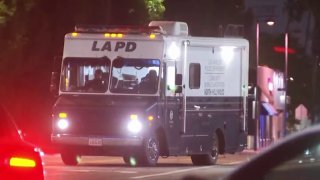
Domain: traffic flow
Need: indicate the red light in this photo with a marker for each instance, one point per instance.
(280, 49)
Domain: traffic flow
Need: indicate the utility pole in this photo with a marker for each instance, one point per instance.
(257, 107)
(314, 86)
(285, 86)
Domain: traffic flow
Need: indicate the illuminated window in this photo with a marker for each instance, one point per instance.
(171, 78)
(194, 75)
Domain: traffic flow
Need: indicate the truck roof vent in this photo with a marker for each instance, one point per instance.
(173, 28)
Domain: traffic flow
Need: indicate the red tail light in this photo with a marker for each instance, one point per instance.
(22, 162)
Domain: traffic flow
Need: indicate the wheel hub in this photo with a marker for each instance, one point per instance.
(153, 149)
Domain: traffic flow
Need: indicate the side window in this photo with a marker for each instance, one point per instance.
(194, 75)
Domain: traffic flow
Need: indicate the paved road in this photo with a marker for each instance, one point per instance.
(96, 168)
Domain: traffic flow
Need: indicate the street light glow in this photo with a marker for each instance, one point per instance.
(270, 23)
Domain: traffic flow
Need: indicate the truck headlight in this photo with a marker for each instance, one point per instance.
(134, 125)
(63, 124)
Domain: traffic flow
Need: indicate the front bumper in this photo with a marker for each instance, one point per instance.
(103, 141)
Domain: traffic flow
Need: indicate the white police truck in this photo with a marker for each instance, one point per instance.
(161, 92)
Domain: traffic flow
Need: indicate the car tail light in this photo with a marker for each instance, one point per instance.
(22, 162)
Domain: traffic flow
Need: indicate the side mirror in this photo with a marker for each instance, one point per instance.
(178, 80)
(54, 83)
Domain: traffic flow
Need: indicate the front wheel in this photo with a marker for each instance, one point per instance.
(210, 158)
(149, 154)
(70, 159)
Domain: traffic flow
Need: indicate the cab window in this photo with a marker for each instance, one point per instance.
(86, 75)
(135, 76)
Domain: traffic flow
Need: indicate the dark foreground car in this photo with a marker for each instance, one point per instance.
(18, 159)
(297, 157)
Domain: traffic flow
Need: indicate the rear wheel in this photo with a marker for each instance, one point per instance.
(150, 152)
(71, 159)
(210, 158)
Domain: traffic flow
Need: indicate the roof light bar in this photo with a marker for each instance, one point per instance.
(119, 29)
(152, 36)
(74, 34)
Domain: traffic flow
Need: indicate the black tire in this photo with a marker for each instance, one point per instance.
(70, 159)
(210, 158)
(149, 154)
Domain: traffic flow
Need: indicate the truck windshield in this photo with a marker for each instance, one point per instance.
(135, 76)
(87, 75)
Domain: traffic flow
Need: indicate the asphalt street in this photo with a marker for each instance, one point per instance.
(103, 167)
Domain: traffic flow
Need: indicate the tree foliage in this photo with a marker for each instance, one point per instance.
(5, 11)
(155, 8)
(295, 9)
